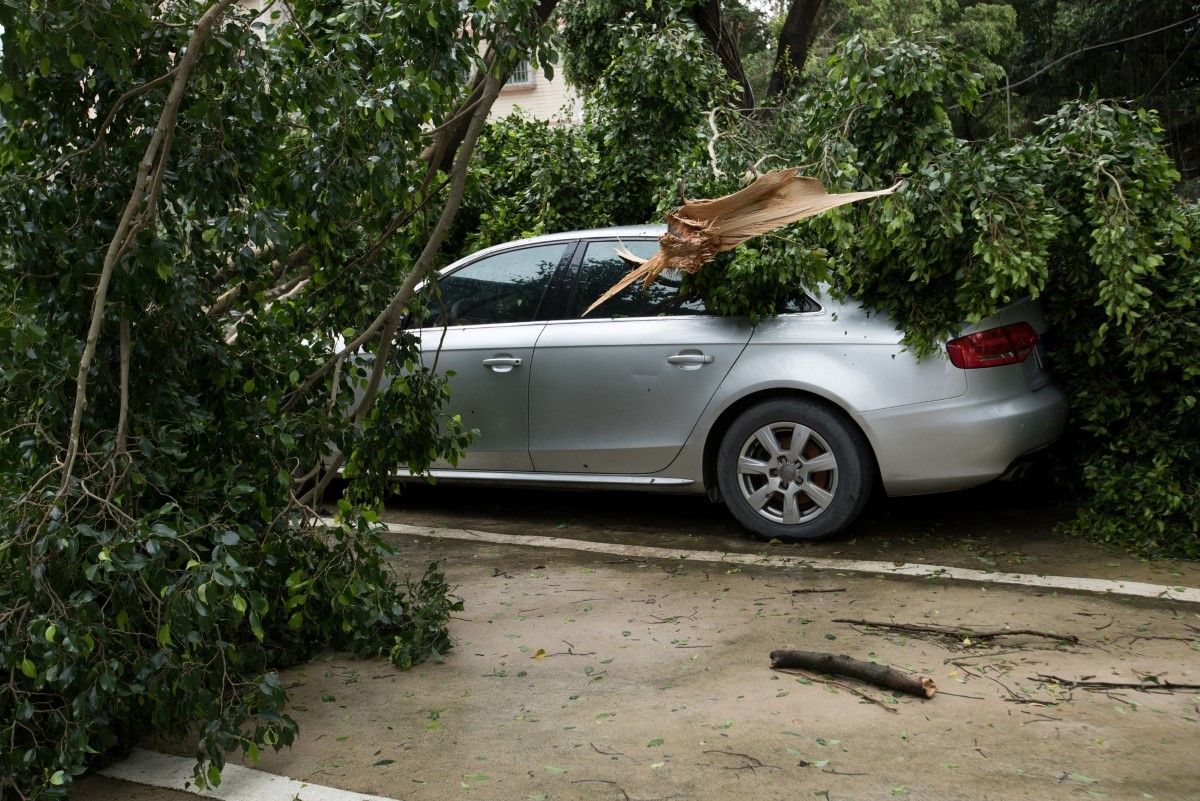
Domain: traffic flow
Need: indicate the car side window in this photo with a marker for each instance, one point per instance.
(602, 267)
(504, 288)
(799, 303)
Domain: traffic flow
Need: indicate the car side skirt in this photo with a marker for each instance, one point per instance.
(553, 480)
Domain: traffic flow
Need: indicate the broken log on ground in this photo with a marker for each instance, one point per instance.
(843, 665)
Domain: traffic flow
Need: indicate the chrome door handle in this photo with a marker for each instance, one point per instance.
(502, 364)
(696, 359)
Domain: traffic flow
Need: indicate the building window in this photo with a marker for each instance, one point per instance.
(521, 76)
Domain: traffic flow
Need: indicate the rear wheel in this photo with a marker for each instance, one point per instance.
(794, 469)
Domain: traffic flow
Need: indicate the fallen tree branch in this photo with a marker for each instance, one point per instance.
(1098, 686)
(842, 665)
(700, 229)
(959, 632)
(138, 212)
(386, 322)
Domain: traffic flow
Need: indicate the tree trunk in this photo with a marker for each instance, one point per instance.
(724, 39)
(795, 37)
(138, 214)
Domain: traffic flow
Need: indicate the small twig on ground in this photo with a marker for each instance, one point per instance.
(751, 762)
(846, 687)
(960, 631)
(672, 619)
(605, 753)
(1012, 696)
(817, 589)
(1099, 686)
(981, 655)
(624, 795)
(1175, 638)
(572, 652)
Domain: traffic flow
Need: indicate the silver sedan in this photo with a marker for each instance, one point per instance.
(791, 422)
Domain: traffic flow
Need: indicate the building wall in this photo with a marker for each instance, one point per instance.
(537, 96)
(540, 98)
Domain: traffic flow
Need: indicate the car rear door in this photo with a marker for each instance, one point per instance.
(619, 391)
(482, 329)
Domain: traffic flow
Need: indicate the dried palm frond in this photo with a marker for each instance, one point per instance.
(700, 229)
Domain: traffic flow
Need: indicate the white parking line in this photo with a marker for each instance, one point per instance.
(237, 783)
(1103, 586)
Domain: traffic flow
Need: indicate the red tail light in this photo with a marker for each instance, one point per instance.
(1009, 344)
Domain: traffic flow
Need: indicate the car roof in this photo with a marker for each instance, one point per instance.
(616, 232)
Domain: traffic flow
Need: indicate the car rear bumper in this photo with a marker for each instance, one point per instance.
(960, 442)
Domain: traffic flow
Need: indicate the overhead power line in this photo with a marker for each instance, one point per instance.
(1081, 50)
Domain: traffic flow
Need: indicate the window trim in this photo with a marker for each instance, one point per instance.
(562, 306)
(530, 80)
(549, 300)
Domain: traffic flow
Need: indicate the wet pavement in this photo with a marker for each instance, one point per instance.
(582, 675)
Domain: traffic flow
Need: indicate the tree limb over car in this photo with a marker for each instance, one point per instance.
(700, 229)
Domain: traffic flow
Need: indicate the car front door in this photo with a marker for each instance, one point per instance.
(619, 391)
(480, 330)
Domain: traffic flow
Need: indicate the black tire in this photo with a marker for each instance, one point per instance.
(792, 491)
